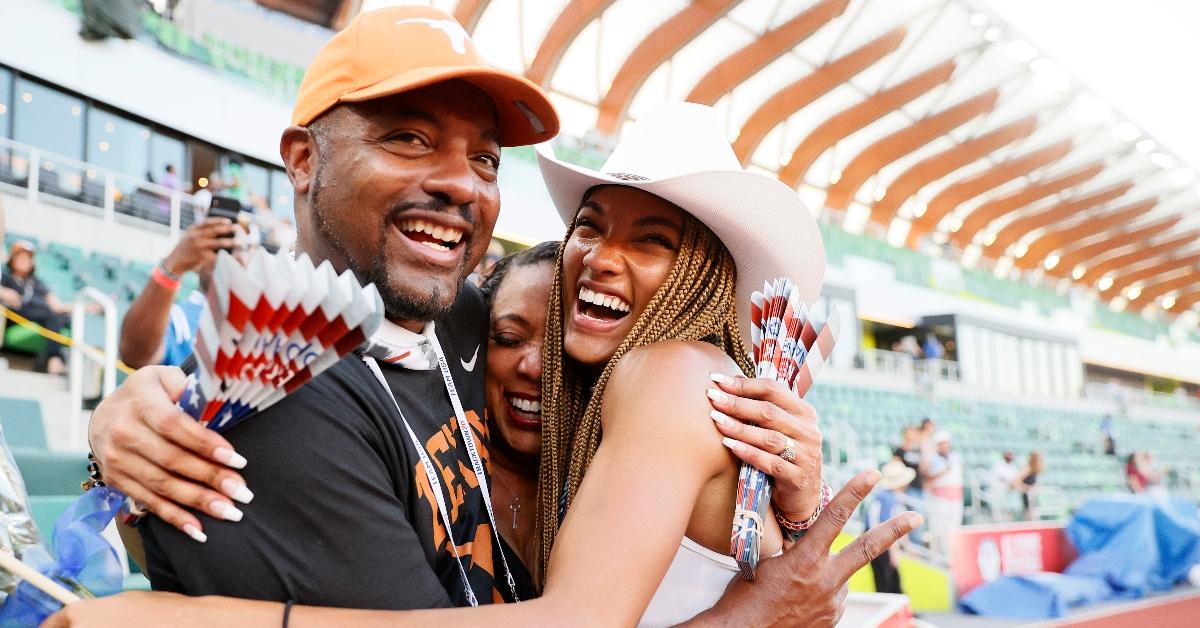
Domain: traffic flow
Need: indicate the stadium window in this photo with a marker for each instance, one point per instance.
(120, 145)
(256, 183)
(6, 81)
(165, 150)
(281, 195)
(49, 119)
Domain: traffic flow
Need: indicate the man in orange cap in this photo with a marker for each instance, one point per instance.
(372, 491)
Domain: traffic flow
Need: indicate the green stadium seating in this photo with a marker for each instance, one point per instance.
(1069, 440)
(51, 472)
(22, 422)
(46, 509)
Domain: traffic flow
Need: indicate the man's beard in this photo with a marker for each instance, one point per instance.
(397, 304)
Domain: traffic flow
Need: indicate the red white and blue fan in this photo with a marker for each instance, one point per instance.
(791, 346)
(268, 328)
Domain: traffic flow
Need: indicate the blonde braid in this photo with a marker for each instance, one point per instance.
(697, 302)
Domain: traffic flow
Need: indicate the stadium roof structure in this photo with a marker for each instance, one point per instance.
(930, 123)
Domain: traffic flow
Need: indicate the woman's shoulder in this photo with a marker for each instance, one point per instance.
(679, 360)
(670, 374)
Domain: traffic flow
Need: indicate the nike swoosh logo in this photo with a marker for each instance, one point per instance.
(470, 366)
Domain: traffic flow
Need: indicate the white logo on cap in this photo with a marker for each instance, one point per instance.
(453, 30)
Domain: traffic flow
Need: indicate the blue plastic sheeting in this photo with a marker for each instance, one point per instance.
(1036, 596)
(1127, 547)
(1136, 543)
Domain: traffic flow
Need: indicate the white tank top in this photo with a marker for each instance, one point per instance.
(694, 582)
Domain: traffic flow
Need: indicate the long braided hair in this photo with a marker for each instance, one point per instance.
(695, 303)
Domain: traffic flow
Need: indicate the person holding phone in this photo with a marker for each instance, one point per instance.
(159, 330)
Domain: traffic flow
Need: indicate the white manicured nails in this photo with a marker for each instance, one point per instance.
(237, 491)
(732, 444)
(720, 417)
(196, 534)
(229, 458)
(226, 511)
(717, 395)
(721, 378)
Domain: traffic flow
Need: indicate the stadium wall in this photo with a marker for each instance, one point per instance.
(142, 80)
(90, 233)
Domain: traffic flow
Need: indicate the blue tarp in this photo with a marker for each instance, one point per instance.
(1035, 596)
(1127, 547)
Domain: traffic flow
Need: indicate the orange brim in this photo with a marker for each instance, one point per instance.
(525, 112)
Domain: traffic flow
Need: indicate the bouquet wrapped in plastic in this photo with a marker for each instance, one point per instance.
(790, 346)
(36, 579)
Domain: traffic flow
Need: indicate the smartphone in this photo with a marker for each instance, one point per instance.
(226, 207)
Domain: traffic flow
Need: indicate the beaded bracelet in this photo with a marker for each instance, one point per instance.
(797, 526)
(94, 476)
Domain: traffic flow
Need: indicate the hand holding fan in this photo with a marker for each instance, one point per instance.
(790, 346)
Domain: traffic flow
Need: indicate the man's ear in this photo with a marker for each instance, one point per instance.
(298, 149)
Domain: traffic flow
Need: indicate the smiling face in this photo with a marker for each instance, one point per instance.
(621, 251)
(402, 190)
(514, 358)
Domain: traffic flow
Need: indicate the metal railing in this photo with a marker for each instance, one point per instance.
(107, 362)
(1127, 395)
(885, 361)
(50, 177)
(936, 368)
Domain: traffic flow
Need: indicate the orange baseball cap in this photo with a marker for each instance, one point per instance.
(396, 49)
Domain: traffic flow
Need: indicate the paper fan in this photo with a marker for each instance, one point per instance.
(269, 327)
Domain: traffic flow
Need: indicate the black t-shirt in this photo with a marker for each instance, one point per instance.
(33, 293)
(912, 460)
(343, 513)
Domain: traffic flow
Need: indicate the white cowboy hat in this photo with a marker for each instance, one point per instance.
(679, 152)
(896, 474)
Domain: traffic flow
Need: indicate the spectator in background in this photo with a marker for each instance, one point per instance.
(233, 182)
(909, 345)
(1110, 441)
(170, 179)
(896, 477)
(157, 330)
(203, 197)
(1133, 474)
(909, 453)
(933, 347)
(27, 296)
(1027, 484)
(944, 485)
(1002, 480)
(1154, 475)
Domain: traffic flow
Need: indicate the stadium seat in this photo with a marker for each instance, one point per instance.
(46, 509)
(51, 472)
(22, 422)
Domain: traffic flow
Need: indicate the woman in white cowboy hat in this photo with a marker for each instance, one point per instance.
(651, 303)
